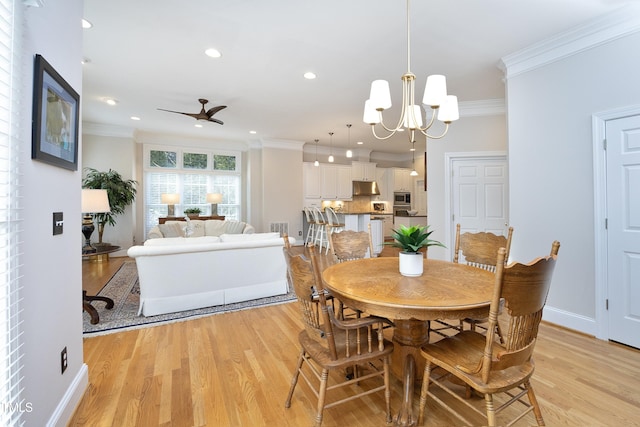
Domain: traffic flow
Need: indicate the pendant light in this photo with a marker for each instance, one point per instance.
(331, 148)
(316, 163)
(349, 152)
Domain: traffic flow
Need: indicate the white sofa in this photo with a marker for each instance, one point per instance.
(185, 273)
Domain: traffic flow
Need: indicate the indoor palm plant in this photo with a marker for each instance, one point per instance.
(411, 240)
(121, 192)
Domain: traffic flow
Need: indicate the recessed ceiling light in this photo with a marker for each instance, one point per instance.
(359, 142)
(309, 75)
(111, 101)
(198, 125)
(213, 53)
(135, 118)
(252, 132)
(86, 24)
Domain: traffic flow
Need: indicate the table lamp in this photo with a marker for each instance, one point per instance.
(93, 201)
(214, 199)
(170, 199)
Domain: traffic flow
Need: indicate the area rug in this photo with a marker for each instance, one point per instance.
(124, 289)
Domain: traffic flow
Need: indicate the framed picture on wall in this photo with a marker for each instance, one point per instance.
(56, 112)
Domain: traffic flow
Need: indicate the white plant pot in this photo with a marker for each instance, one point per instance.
(411, 264)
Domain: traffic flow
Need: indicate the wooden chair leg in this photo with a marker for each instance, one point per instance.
(294, 380)
(321, 396)
(424, 391)
(534, 402)
(491, 410)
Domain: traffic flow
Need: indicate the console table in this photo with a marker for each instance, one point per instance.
(162, 220)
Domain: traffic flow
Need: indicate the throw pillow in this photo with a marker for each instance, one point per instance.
(198, 228)
(171, 230)
(214, 227)
(234, 227)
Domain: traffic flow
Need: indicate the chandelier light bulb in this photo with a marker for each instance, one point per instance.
(349, 152)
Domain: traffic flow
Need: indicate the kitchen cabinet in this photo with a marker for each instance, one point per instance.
(402, 180)
(377, 238)
(363, 171)
(384, 178)
(311, 181)
(335, 182)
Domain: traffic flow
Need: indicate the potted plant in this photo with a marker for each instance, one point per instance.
(192, 212)
(121, 194)
(411, 240)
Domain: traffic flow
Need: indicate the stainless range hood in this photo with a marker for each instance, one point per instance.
(365, 188)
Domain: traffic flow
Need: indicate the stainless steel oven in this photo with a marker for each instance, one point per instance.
(401, 198)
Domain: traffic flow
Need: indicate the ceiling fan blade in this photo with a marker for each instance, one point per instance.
(180, 112)
(214, 110)
(220, 122)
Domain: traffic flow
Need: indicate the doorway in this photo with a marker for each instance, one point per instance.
(477, 193)
(617, 175)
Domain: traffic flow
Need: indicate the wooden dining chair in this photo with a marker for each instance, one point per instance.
(330, 346)
(479, 250)
(349, 245)
(487, 366)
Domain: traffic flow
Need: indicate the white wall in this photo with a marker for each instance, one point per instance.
(51, 265)
(117, 153)
(469, 134)
(282, 185)
(551, 165)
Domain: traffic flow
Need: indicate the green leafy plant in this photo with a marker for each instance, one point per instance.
(412, 239)
(121, 194)
(193, 211)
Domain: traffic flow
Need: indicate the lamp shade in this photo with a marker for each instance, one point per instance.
(449, 109)
(170, 198)
(371, 115)
(380, 95)
(413, 113)
(435, 91)
(214, 198)
(95, 201)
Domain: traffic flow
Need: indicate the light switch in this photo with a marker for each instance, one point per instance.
(57, 223)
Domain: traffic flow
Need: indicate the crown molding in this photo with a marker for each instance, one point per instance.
(100, 129)
(283, 144)
(614, 25)
(484, 107)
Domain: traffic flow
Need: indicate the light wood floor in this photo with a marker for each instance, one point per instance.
(234, 369)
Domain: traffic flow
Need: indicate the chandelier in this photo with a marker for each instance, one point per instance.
(444, 106)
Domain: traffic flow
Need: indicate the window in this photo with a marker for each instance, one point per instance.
(192, 174)
(11, 405)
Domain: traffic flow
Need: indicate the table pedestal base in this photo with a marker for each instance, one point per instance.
(407, 363)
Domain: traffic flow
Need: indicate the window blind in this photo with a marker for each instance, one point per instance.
(12, 406)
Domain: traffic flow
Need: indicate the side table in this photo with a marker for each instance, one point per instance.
(100, 255)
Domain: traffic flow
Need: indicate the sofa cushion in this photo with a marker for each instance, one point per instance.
(214, 227)
(248, 237)
(171, 229)
(198, 228)
(169, 241)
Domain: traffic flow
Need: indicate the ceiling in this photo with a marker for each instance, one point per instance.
(149, 54)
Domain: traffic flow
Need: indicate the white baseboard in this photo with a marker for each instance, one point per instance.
(569, 320)
(71, 399)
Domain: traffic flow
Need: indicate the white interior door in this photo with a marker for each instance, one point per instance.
(479, 195)
(623, 229)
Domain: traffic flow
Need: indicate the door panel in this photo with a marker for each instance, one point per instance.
(623, 232)
(479, 195)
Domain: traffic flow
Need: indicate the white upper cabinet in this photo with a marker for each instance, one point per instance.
(311, 181)
(363, 171)
(402, 180)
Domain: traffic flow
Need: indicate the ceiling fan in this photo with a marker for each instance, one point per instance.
(202, 115)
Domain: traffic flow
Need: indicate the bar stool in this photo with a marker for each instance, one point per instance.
(311, 232)
(333, 223)
(321, 232)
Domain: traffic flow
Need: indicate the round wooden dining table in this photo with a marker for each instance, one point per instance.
(446, 290)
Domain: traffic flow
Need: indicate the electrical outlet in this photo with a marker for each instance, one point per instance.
(63, 360)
